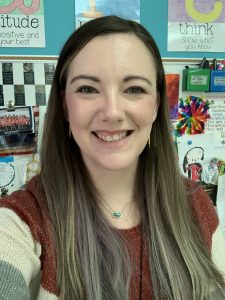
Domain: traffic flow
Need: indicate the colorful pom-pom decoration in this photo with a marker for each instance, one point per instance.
(193, 113)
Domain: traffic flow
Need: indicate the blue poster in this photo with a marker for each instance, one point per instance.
(86, 10)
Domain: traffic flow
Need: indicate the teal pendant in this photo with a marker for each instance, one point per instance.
(117, 214)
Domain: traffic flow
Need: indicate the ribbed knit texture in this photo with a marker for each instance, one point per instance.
(27, 255)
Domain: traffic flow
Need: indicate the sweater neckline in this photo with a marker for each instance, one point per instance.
(131, 232)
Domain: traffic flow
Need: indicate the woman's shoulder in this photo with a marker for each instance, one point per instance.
(26, 205)
(22, 199)
(26, 243)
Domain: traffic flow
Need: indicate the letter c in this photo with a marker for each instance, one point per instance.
(203, 17)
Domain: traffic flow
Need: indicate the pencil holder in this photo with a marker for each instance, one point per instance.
(195, 79)
(217, 82)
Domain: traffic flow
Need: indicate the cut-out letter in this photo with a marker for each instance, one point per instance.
(19, 4)
(203, 17)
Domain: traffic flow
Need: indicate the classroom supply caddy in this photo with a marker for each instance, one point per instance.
(217, 81)
(205, 78)
(196, 79)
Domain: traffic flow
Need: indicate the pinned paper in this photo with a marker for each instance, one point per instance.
(172, 91)
(200, 160)
(192, 115)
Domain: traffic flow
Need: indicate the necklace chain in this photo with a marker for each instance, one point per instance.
(116, 213)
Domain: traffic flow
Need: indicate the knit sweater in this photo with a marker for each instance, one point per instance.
(27, 254)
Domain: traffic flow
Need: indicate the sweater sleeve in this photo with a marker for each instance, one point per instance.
(19, 256)
(20, 246)
(208, 221)
(218, 250)
(27, 248)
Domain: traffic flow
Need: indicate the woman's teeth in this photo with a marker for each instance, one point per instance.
(112, 137)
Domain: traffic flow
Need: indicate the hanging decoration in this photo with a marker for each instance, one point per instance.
(192, 115)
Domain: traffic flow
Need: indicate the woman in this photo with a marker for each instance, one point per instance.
(110, 217)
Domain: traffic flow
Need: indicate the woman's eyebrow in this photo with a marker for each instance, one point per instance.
(93, 78)
(133, 77)
(96, 79)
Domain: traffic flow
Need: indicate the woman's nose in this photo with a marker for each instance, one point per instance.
(113, 108)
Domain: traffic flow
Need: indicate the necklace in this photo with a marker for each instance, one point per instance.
(116, 213)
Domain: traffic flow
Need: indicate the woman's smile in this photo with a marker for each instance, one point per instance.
(112, 136)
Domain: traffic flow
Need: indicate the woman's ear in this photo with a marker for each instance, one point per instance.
(65, 110)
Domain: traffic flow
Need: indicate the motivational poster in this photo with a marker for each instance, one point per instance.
(86, 10)
(22, 23)
(196, 25)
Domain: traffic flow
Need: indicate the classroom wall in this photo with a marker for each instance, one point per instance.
(59, 24)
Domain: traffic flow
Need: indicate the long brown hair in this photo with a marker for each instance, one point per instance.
(91, 258)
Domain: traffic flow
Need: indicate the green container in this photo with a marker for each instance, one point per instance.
(195, 79)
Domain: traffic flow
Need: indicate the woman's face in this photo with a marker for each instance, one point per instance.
(111, 101)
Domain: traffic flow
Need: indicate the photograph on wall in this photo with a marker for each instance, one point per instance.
(7, 73)
(26, 82)
(22, 25)
(196, 26)
(49, 72)
(86, 10)
(19, 95)
(28, 70)
(40, 94)
(18, 130)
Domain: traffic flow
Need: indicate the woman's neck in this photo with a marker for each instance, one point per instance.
(116, 189)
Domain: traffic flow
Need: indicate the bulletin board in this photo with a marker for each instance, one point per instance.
(201, 154)
(26, 81)
(60, 23)
(25, 84)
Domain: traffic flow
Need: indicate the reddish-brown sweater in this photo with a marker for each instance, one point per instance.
(140, 286)
(207, 219)
(32, 242)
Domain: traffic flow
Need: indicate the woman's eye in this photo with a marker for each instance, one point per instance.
(87, 90)
(135, 90)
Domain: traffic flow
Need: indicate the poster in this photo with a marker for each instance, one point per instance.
(86, 10)
(172, 92)
(216, 122)
(22, 23)
(196, 25)
(221, 199)
(15, 172)
(200, 160)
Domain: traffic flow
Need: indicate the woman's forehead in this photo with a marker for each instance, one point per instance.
(116, 52)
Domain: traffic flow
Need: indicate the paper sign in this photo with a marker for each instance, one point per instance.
(22, 25)
(196, 26)
(216, 123)
(86, 10)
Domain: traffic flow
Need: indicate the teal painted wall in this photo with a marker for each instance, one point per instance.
(59, 24)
